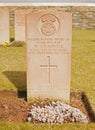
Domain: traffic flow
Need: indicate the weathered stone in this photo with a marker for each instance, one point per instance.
(4, 25)
(79, 14)
(48, 54)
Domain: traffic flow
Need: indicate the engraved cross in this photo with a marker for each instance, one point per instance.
(49, 66)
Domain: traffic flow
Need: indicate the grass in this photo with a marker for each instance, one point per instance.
(28, 126)
(12, 33)
(83, 63)
(13, 68)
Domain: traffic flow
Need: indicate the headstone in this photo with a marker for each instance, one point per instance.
(4, 25)
(48, 38)
(20, 25)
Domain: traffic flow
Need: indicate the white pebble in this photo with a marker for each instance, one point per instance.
(57, 112)
(29, 119)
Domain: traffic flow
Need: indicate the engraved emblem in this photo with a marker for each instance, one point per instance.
(49, 24)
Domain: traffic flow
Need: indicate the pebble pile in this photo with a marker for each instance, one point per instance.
(56, 112)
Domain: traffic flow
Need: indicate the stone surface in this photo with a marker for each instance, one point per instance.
(83, 17)
(48, 38)
(4, 25)
(19, 25)
(20, 15)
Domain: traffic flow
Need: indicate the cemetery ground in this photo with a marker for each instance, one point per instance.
(13, 105)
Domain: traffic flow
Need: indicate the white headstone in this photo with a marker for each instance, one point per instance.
(4, 25)
(20, 25)
(48, 38)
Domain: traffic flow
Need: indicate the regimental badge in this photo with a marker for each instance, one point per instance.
(49, 24)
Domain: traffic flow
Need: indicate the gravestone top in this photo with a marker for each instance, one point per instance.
(48, 38)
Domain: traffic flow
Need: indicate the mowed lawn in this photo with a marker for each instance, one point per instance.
(29, 126)
(13, 76)
(83, 63)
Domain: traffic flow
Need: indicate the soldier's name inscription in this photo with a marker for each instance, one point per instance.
(49, 45)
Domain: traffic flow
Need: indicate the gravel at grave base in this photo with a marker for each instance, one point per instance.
(56, 112)
(15, 109)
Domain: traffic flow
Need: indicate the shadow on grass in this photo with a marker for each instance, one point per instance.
(88, 107)
(18, 78)
(84, 101)
(92, 40)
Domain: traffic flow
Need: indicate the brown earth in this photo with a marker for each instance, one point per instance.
(16, 109)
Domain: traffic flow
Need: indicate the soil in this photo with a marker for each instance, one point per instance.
(16, 109)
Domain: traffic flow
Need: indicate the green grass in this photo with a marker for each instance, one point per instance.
(12, 33)
(83, 63)
(28, 126)
(13, 68)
